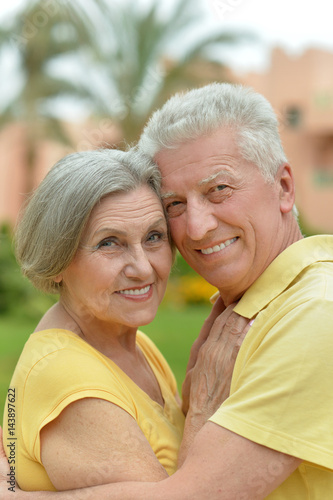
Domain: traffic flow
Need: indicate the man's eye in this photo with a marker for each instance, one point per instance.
(174, 208)
(220, 187)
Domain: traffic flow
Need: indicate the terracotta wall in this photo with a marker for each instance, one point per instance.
(301, 92)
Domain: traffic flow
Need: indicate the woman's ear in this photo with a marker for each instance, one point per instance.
(58, 278)
(287, 188)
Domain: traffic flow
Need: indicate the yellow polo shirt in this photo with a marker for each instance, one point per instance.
(281, 392)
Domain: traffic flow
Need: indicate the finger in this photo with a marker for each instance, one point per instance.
(217, 309)
(227, 336)
(244, 333)
(227, 321)
(235, 323)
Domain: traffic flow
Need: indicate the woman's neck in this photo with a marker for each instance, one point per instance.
(110, 339)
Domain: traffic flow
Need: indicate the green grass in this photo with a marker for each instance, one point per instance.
(173, 331)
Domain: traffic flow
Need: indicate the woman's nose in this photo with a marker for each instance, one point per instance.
(138, 265)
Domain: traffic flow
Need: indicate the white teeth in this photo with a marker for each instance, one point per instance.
(135, 291)
(217, 248)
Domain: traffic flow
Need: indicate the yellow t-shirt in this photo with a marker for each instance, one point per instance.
(281, 392)
(56, 368)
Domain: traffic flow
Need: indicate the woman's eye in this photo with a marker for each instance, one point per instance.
(106, 243)
(155, 237)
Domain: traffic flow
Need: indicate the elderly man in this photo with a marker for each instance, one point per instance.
(229, 193)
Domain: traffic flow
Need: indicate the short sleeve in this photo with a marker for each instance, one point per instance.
(58, 379)
(283, 396)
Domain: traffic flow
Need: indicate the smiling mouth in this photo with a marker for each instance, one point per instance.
(135, 291)
(217, 248)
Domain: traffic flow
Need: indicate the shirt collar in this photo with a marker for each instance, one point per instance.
(282, 271)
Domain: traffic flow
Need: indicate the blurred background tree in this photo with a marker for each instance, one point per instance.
(117, 59)
(146, 57)
(38, 36)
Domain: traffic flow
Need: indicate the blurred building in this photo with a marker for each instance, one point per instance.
(301, 92)
(15, 174)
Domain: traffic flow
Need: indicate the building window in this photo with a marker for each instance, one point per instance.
(293, 116)
(323, 161)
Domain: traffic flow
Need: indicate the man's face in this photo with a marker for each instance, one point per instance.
(225, 218)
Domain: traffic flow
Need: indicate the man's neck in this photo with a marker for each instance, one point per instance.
(233, 295)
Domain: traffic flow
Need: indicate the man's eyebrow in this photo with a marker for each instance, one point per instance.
(173, 194)
(170, 194)
(213, 176)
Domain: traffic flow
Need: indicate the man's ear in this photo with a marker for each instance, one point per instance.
(287, 188)
(58, 278)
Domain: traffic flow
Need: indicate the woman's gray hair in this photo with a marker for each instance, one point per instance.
(187, 116)
(49, 233)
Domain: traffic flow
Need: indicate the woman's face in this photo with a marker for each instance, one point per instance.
(120, 271)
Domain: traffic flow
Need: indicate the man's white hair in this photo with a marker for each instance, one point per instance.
(190, 115)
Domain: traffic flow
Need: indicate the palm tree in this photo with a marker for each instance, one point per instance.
(38, 36)
(138, 69)
(122, 56)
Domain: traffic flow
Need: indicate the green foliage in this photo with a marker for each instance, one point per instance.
(186, 287)
(181, 267)
(306, 229)
(8, 271)
(17, 295)
(14, 331)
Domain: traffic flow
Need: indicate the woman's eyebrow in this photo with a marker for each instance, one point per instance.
(110, 230)
(120, 232)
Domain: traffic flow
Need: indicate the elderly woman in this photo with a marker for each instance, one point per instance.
(96, 402)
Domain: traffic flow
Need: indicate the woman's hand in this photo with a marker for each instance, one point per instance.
(217, 309)
(208, 381)
(211, 375)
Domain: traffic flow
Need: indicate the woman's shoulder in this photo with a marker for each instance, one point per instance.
(57, 318)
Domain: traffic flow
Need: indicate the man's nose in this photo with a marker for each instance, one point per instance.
(200, 219)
